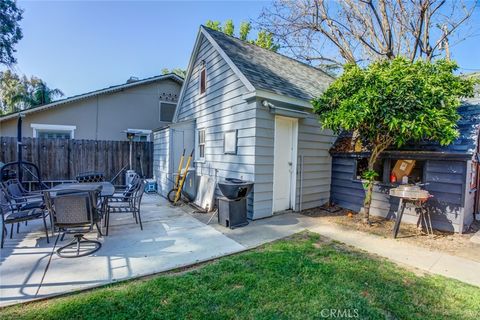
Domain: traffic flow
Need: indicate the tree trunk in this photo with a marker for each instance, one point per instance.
(367, 202)
(369, 190)
(379, 145)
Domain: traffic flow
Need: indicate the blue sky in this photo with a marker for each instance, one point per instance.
(88, 45)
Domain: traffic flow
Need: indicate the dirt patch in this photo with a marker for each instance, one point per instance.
(452, 243)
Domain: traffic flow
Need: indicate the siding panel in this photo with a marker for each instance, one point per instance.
(313, 144)
(445, 182)
(161, 164)
(221, 108)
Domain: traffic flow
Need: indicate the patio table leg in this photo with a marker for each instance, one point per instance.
(429, 220)
(424, 217)
(107, 220)
(45, 225)
(396, 227)
(104, 209)
(139, 219)
(51, 224)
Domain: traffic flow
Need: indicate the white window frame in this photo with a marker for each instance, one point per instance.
(160, 110)
(203, 66)
(197, 145)
(142, 132)
(53, 127)
(230, 138)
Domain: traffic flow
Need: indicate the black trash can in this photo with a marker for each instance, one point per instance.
(232, 213)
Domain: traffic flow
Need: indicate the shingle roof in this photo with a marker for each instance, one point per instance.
(270, 71)
(466, 143)
(468, 126)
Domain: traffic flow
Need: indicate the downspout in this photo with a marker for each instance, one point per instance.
(301, 183)
(96, 121)
(171, 160)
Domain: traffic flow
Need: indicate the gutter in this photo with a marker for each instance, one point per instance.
(268, 95)
(286, 112)
(412, 154)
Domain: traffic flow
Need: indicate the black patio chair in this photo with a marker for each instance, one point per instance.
(127, 203)
(129, 188)
(22, 198)
(11, 214)
(75, 212)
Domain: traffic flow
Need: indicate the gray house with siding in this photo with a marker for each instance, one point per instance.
(143, 105)
(449, 172)
(246, 111)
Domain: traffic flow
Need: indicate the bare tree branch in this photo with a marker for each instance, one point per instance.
(357, 31)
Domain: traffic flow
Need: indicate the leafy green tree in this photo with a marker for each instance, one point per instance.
(215, 25)
(392, 102)
(10, 32)
(264, 38)
(11, 86)
(178, 71)
(19, 92)
(38, 93)
(245, 28)
(229, 28)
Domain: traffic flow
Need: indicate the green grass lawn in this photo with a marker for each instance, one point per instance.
(303, 277)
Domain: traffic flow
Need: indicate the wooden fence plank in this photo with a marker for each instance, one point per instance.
(64, 159)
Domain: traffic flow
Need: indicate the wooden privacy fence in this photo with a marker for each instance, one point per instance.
(63, 159)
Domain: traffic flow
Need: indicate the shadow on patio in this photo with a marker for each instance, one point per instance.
(30, 268)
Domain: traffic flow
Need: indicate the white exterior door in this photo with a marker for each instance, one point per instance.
(284, 164)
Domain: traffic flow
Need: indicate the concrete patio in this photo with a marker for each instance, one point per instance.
(175, 237)
(171, 238)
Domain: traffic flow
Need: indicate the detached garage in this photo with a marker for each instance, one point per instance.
(247, 112)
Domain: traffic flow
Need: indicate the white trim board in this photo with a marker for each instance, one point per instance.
(277, 97)
(191, 62)
(53, 127)
(197, 146)
(229, 61)
(204, 33)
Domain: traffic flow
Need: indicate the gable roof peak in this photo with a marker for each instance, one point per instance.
(271, 71)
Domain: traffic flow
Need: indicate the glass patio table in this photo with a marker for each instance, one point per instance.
(106, 189)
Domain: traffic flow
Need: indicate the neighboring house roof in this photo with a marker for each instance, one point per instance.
(90, 94)
(466, 143)
(271, 71)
